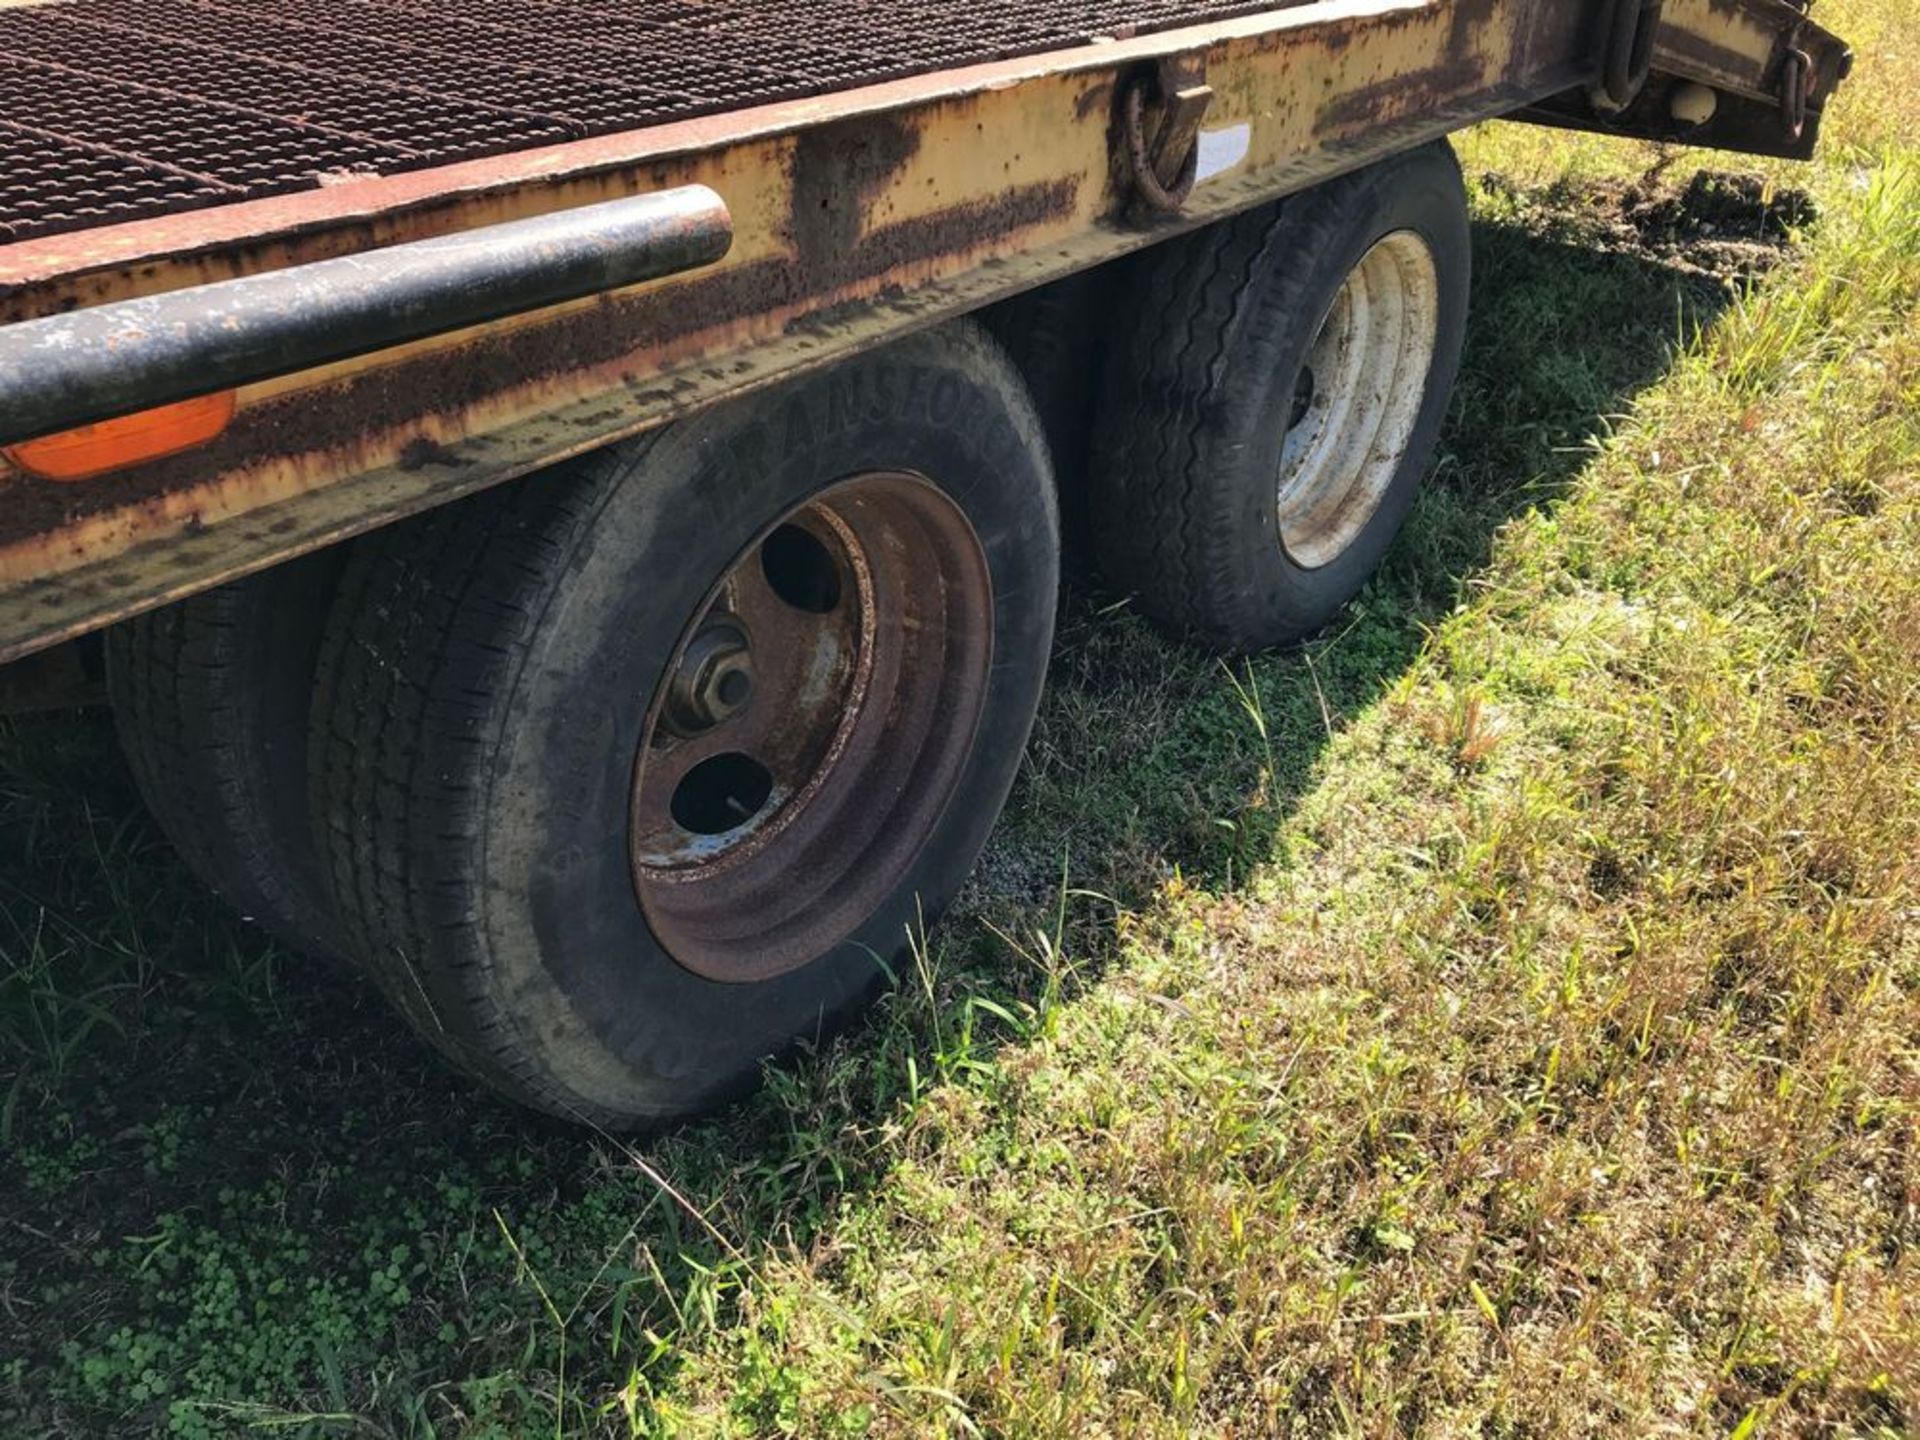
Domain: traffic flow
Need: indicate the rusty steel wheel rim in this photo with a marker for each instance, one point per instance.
(811, 727)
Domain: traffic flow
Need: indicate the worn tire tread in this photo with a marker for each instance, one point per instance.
(1163, 525)
(411, 649)
(194, 700)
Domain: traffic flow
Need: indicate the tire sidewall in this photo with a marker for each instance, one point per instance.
(605, 1010)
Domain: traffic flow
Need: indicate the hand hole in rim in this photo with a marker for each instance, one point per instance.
(800, 570)
(761, 843)
(1365, 377)
(721, 793)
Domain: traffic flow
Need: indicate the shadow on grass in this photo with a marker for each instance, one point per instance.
(232, 1177)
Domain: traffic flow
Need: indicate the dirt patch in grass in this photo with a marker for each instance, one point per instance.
(1716, 225)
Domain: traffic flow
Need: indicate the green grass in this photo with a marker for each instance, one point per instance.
(1498, 1018)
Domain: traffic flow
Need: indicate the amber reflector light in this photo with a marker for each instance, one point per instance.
(129, 440)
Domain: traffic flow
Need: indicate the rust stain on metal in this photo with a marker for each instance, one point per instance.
(840, 691)
(423, 450)
(1094, 100)
(1460, 64)
(835, 174)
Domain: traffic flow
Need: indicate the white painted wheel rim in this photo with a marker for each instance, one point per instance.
(1358, 399)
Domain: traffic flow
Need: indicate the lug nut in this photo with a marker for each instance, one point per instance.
(713, 680)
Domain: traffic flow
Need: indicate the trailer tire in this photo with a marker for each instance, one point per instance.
(210, 697)
(1058, 336)
(515, 691)
(1266, 423)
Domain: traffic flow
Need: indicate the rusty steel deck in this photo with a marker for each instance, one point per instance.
(885, 166)
(115, 109)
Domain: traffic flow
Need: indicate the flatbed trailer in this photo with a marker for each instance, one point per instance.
(278, 273)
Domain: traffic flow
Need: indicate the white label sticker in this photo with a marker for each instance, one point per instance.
(1221, 150)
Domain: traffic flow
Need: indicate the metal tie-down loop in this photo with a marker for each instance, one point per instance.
(1165, 166)
(1796, 86)
(1626, 60)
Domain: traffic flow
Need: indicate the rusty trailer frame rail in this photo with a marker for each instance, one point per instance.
(855, 217)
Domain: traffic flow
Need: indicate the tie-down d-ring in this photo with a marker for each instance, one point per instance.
(1627, 62)
(1165, 164)
(1796, 90)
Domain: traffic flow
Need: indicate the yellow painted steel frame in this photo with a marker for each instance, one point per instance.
(857, 216)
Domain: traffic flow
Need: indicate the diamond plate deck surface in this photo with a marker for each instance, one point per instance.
(113, 110)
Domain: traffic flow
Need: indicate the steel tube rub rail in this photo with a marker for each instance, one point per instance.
(89, 365)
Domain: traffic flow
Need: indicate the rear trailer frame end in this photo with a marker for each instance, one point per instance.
(855, 217)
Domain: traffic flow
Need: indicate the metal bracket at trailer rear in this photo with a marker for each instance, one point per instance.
(1745, 75)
